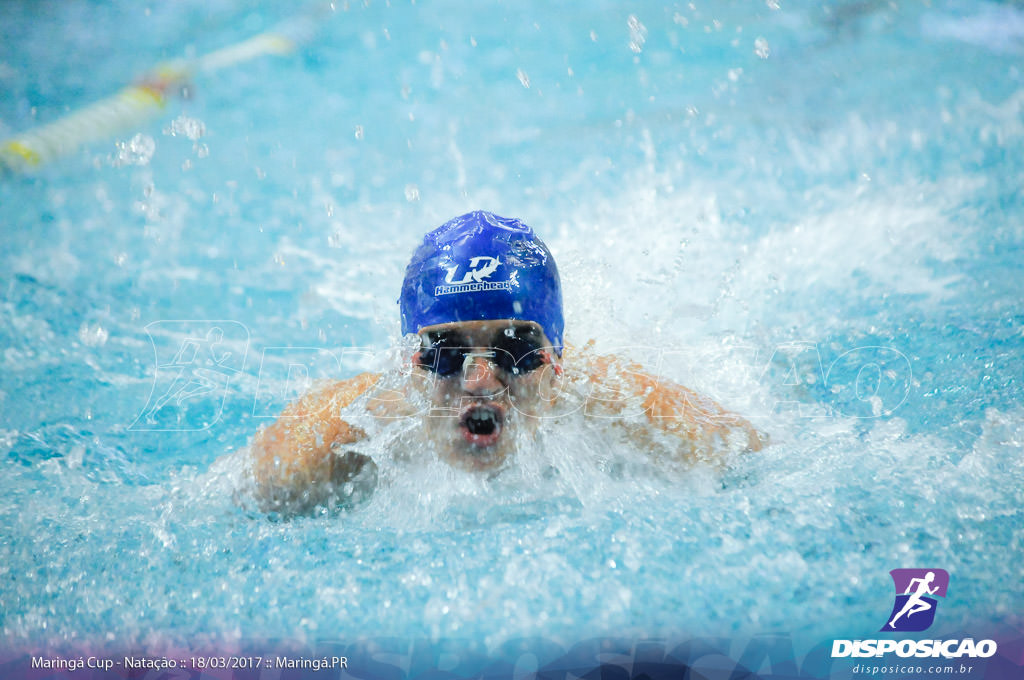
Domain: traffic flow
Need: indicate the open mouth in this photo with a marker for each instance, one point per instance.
(481, 424)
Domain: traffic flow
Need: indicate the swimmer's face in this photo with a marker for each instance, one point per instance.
(489, 384)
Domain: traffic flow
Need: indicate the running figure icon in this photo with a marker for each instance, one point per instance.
(915, 603)
(195, 363)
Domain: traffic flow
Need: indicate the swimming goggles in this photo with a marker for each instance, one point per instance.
(515, 350)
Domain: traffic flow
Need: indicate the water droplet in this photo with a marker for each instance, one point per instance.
(637, 34)
(761, 48)
(136, 151)
(412, 192)
(359, 132)
(876, 405)
(523, 78)
(772, 4)
(192, 128)
(93, 335)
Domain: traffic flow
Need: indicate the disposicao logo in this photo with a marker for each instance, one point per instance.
(914, 609)
(912, 612)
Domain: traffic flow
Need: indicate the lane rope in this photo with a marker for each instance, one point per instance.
(146, 99)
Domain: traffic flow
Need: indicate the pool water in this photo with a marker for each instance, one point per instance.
(813, 215)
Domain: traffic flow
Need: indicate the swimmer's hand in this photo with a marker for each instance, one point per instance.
(296, 464)
(705, 430)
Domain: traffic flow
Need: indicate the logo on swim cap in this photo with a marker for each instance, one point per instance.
(480, 266)
(473, 280)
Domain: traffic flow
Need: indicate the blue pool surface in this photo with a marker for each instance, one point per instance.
(813, 215)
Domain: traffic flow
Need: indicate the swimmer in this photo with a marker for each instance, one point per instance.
(483, 295)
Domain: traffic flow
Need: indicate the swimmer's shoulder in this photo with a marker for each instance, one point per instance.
(292, 461)
(329, 398)
(311, 424)
(619, 385)
(384, 395)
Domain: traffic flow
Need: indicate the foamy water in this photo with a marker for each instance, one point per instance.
(824, 243)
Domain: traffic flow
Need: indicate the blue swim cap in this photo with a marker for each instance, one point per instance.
(480, 266)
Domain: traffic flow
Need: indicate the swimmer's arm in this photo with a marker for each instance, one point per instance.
(703, 427)
(293, 463)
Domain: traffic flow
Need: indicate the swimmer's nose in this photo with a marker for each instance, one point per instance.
(480, 376)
